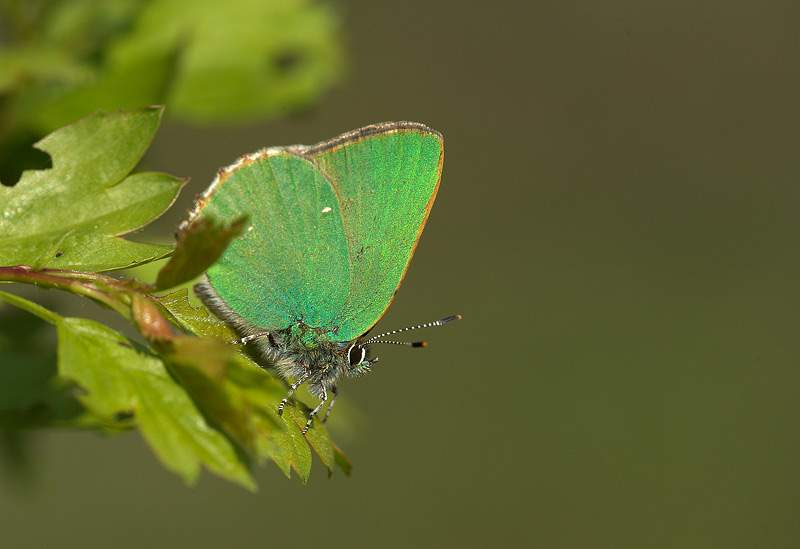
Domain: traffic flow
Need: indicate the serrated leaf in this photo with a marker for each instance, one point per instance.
(200, 245)
(217, 387)
(320, 441)
(281, 444)
(291, 450)
(259, 392)
(202, 366)
(243, 398)
(72, 215)
(121, 377)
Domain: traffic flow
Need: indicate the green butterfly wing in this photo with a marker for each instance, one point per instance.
(386, 178)
(332, 227)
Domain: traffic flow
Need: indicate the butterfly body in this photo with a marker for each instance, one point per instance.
(299, 351)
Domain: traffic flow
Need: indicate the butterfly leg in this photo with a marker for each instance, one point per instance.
(335, 392)
(316, 410)
(292, 388)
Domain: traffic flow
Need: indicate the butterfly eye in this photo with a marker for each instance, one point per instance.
(356, 354)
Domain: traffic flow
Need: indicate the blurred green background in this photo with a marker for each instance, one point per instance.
(615, 224)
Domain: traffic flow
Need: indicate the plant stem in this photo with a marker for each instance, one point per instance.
(125, 297)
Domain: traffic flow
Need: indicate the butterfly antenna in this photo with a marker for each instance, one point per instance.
(441, 322)
(403, 343)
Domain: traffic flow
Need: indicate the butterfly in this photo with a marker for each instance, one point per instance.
(331, 231)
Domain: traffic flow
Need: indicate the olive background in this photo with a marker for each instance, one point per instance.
(617, 224)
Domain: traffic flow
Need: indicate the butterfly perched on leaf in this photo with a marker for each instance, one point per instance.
(331, 230)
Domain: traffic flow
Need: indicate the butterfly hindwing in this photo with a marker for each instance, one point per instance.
(386, 183)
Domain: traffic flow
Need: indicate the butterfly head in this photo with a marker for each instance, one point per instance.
(358, 359)
(358, 353)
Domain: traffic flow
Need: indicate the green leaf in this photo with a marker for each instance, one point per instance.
(290, 449)
(121, 378)
(319, 440)
(210, 61)
(342, 461)
(119, 85)
(71, 216)
(31, 392)
(202, 366)
(244, 59)
(200, 245)
(119, 382)
(282, 441)
(243, 399)
(196, 320)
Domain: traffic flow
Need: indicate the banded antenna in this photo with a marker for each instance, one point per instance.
(441, 322)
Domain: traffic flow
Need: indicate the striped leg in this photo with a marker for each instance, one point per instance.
(292, 388)
(335, 392)
(316, 410)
